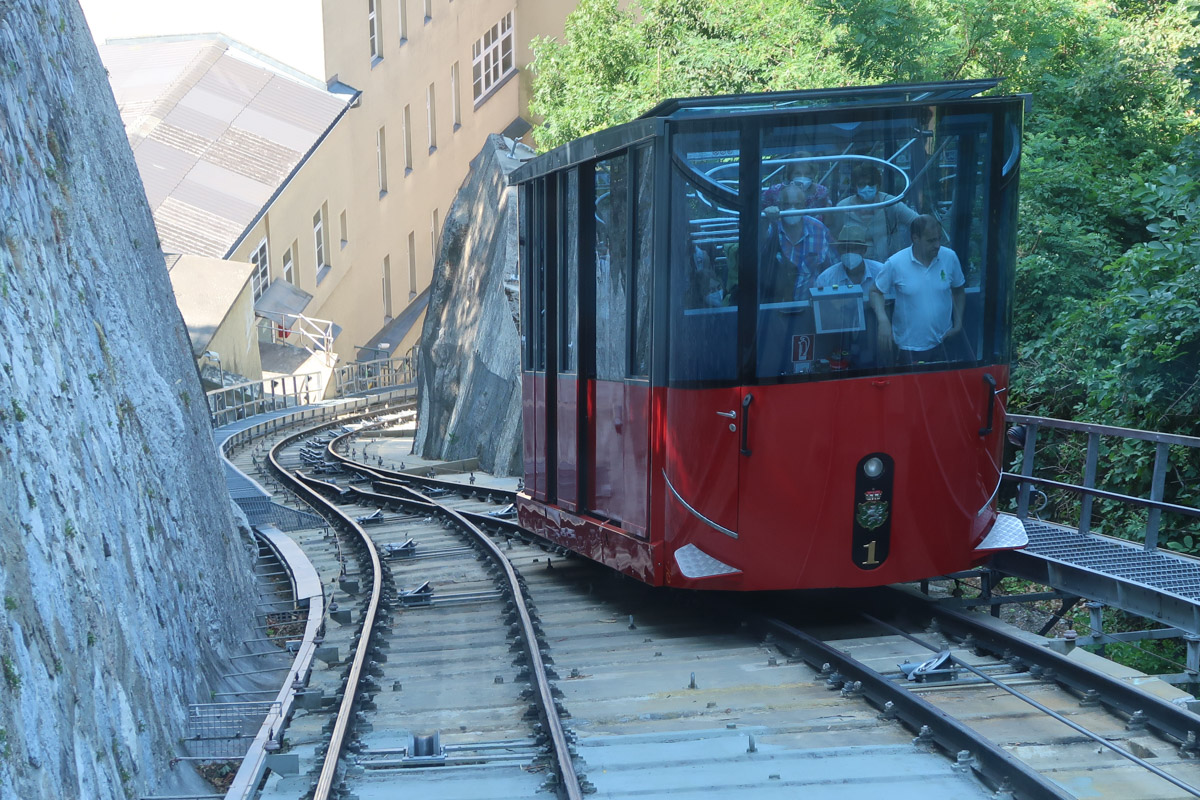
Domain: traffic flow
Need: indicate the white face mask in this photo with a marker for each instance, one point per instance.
(851, 260)
(804, 183)
(867, 193)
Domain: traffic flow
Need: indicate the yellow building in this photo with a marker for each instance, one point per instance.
(357, 224)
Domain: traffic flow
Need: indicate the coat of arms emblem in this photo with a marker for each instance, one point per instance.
(872, 511)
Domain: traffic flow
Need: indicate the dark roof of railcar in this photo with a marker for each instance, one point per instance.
(620, 136)
(676, 108)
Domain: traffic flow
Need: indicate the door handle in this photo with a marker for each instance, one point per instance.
(727, 414)
(746, 423)
(991, 403)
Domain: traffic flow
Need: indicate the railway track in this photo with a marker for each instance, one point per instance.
(660, 692)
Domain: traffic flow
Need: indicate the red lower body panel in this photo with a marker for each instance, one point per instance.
(768, 493)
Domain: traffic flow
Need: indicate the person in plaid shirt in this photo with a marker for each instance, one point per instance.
(796, 248)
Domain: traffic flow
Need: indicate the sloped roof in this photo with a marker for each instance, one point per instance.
(215, 128)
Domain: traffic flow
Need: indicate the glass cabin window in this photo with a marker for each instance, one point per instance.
(837, 199)
(538, 247)
(705, 222)
(568, 348)
(643, 263)
(612, 265)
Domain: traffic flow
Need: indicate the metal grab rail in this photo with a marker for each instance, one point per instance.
(365, 376)
(232, 403)
(1087, 489)
(316, 334)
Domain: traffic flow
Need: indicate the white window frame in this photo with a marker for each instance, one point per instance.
(260, 278)
(403, 11)
(431, 112)
(412, 264)
(455, 99)
(289, 267)
(488, 57)
(435, 235)
(407, 124)
(373, 31)
(319, 239)
(381, 160)
(387, 288)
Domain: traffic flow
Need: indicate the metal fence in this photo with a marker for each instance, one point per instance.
(1128, 456)
(259, 397)
(224, 731)
(368, 376)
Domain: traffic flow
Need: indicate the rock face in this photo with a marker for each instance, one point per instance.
(125, 582)
(469, 361)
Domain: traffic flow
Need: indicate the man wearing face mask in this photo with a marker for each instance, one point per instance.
(801, 173)
(930, 292)
(886, 226)
(854, 268)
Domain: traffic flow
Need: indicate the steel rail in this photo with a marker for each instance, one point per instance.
(1166, 717)
(392, 475)
(993, 762)
(324, 783)
(1095, 737)
(544, 692)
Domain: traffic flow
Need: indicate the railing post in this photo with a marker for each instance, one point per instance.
(1031, 432)
(1096, 623)
(1162, 453)
(1089, 481)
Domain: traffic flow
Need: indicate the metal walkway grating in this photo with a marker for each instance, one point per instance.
(223, 731)
(1159, 570)
(262, 511)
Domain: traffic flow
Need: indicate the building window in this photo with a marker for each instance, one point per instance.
(289, 270)
(319, 240)
(373, 32)
(435, 234)
(428, 10)
(345, 235)
(260, 279)
(455, 112)
(493, 57)
(387, 288)
(408, 162)
(403, 21)
(431, 107)
(381, 160)
(412, 264)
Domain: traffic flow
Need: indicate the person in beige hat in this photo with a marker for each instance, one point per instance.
(856, 347)
(853, 268)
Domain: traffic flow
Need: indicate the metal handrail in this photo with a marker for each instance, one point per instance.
(364, 376)
(1163, 441)
(317, 333)
(242, 400)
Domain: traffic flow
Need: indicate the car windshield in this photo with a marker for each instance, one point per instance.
(871, 240)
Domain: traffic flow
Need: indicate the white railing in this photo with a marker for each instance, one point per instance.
(314, 335)
(369, 376)
(258, 397)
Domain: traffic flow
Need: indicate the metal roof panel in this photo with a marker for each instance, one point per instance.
(179, 99)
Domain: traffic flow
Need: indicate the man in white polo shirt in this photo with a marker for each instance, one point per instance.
(928, 284)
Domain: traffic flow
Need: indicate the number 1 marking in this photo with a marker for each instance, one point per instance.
(870, 562)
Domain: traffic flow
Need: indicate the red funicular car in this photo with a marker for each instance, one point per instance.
(766, 337)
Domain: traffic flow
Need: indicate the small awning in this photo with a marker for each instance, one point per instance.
(280, 299)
